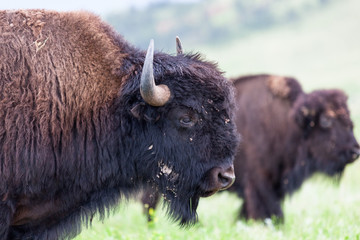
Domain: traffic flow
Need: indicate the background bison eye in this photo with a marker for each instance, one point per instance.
(187, 121)
(325, 121)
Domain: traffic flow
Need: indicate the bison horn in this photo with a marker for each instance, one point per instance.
(154, 95)
(179, 49)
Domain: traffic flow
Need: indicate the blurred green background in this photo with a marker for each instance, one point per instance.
(316, 41)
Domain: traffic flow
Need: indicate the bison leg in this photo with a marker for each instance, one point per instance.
(6, 213)
(150, 198)
(260, 202)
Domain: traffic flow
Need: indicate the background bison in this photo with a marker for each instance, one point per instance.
(287, 136)
(83, 124)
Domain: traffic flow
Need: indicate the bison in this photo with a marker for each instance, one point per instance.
(287, 136)
(86, 119)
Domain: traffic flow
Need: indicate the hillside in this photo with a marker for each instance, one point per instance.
(208, 22)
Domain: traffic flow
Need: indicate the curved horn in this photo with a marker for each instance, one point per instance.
(152, 94)
(179, 49)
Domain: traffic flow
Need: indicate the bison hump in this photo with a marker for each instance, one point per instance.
(284, 87)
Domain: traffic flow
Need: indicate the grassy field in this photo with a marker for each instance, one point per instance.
(322, 51)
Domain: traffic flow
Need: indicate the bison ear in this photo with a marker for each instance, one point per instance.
(141, 111)
(137, 111)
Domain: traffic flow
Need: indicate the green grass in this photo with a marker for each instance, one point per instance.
(322, 51)
(322, 209)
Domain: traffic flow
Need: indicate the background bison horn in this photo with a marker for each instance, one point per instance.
(179, 49)
(152, 94)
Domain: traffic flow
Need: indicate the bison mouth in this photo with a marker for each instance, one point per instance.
(344, 158)
(208, 193)
(182, 200)
(336, 168)
(336, 171)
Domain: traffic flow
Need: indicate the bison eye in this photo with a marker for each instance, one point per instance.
(325, 121)
(187, 121)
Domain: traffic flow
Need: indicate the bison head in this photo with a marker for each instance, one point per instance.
(180, 115)
(327, 129)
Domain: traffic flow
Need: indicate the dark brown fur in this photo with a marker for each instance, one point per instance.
(287, 135)
(76, 135)
(284, 141)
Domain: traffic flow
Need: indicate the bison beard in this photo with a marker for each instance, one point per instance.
(287, 136)
(80, 129)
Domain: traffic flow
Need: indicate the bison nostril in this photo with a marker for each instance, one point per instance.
(217, 179)
(226, 179)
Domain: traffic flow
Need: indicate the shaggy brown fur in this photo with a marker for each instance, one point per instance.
(287, 136)
(76, 135)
